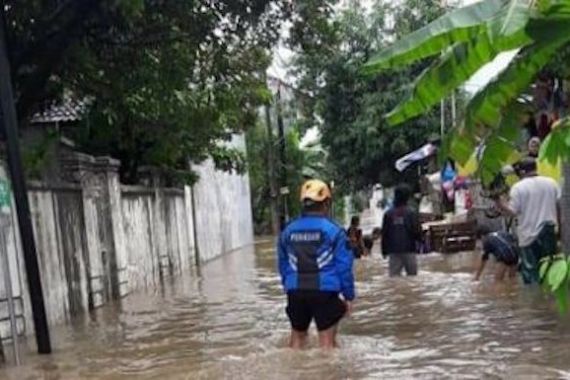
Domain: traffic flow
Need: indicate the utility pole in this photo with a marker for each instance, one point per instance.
(282, 159)
(9, 125)
(274, 193)
(453, 110)
(442, 118)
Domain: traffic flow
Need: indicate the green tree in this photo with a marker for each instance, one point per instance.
(168, 80)
(466, 39)
(331, 48)
(301, 163)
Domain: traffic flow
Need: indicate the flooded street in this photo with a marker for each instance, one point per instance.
(229, 323)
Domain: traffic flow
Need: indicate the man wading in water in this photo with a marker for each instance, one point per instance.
(401, 231)
(534, 202)
(315, 263)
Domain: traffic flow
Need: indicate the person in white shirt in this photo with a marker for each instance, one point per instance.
(534, 202)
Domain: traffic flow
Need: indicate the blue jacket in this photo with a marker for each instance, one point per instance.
(314, 254)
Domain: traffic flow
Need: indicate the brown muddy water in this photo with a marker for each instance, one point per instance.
(229, 323)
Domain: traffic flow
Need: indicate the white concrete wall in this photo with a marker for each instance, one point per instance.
(223, 212)
(97, 232)
(143, 269)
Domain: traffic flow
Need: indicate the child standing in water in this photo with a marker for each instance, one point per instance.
(354, 233)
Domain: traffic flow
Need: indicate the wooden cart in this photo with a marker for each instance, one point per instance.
(452, 237)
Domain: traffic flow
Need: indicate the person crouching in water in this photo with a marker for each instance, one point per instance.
(315, 263)
(401, 231)
(503, 246)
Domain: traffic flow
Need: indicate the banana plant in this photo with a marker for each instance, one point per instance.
(459, 44)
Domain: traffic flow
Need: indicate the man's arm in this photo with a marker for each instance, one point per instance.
(484, 258)
(512, 208)
(480, 269)
(343, 262)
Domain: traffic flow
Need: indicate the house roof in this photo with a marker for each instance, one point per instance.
(68, 110)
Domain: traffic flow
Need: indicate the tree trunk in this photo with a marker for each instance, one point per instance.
(565, 208)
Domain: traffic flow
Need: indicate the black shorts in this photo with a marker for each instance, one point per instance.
(326, 308)
(508, 261)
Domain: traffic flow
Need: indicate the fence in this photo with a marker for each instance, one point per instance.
(98, 240)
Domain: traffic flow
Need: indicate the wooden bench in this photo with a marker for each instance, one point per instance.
(453, 237)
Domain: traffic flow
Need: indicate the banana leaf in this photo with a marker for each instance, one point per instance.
(451, 71)
(454, 27)
(505, 31)
(487, 105)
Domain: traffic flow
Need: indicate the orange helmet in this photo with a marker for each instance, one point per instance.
(315, 190)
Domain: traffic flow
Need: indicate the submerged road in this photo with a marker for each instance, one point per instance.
(229, 323)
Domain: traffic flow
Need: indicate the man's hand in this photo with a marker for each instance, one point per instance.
(504, 208)
(349, 308)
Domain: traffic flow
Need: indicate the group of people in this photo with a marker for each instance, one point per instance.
(534, 202)
(400, 235)
(316, 255)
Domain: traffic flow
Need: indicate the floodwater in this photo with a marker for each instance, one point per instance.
(229, 323)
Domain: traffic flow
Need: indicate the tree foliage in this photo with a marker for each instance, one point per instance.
(168, 80)
(331, 47)
(467, 39)
(302, 162)
(540, 30)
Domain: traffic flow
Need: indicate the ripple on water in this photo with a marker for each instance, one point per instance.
(231, 325)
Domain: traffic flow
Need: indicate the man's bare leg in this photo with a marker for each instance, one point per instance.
(513, 271)
(501, 271)
(298, 339)
(327, 338)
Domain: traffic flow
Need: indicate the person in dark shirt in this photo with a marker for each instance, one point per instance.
(503, 246)
(401, 231)
(354, 233)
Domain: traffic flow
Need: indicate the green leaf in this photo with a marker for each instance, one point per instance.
(551, 149)
(543, 5)
(557, 274)
(501, 143)
(505, 31)
(452, 70)
(460, 25)
(487, 105)
(131, 7)
(516, 16)
(561, 295)
(461, 147)
(543, 269)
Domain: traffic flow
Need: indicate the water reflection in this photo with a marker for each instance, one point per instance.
(229, 323)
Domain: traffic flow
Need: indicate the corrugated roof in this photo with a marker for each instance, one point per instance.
(67, 111)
